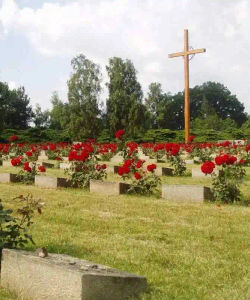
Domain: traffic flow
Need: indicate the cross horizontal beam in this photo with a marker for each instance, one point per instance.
(177, 54)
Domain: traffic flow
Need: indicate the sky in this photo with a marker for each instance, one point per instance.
(39, 38)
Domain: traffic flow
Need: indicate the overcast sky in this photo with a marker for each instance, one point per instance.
(39, 38)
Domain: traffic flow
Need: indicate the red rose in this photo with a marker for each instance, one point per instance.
(208, 167)
(120, 133)
(14, 138)
(27, 167)
(242, 162)
(231, 160)
(123, 170)
(192, 137)
(14, 162)
(58, 158)
(138, 176)
(151, 168)
(219, 160)
(139, 163)
(29, 153)
(42, 169)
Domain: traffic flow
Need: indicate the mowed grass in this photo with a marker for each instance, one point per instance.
(186, 250)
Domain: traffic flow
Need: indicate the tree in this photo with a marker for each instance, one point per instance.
(83, 94)
(220, 99)
(124, 104)
(171, 114)
(15, 109)
(154, 103)
(59, 115)
(41, 118)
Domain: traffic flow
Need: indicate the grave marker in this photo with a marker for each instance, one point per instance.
(51, 182)
(8, 177)
(108, 188)
(186, 193)
(61, 277)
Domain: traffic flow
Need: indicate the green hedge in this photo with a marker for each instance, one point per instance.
(36, 135)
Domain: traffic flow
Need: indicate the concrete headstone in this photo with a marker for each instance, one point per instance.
(189, 193)
(62, 277)
(108, 188)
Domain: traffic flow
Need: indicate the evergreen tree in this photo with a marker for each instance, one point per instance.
(154, 103)
(125, 109)
(59, 115)
(41, 118)
(83, 92)
(15, 109)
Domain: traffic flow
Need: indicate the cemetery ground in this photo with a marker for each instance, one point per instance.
(186, 250)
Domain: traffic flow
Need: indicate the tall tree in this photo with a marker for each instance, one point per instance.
(59, 115)
(83, 94)
(124, 104)
(15, 109)
(154, 102)
(41, 118)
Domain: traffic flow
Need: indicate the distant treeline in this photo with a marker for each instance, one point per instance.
(214, 110)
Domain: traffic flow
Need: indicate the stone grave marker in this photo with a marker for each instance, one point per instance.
(61, 277)
(108, 188)
(112, 169)
(189, 161)
(196, 172)
(186, 193)
(51, 182)
(164, 171)
(7, 163)
(8, 177)
(42, 157)
(117, 158)
(237, 142)
(65, 166)
(48, 165)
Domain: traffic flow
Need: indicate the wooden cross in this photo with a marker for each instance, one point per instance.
(186, 54)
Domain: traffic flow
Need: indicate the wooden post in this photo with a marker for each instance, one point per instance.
(187, 98)
(186, 54)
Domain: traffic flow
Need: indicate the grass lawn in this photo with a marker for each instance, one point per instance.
(186, 251)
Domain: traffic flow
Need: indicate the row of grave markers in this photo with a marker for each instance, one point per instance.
(170, 192)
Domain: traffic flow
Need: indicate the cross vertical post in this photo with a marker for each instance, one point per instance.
(187, 99)
(185, 55)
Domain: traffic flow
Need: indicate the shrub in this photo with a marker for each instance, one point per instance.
(227, 182)
(14, 225)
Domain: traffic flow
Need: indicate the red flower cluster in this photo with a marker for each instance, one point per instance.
(208, 167)
(140, 163)
(192, 137)
(133, 147)
(14, 138)
(42, 169)
(242, 162)
(16, 161)
(124, 170)
(120, 133)
(138, 176)
(83, 156)
(225, 159)
(27, 167)
(29, 153)
(151, 168)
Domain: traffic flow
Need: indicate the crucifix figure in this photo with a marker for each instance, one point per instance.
(186, 54)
